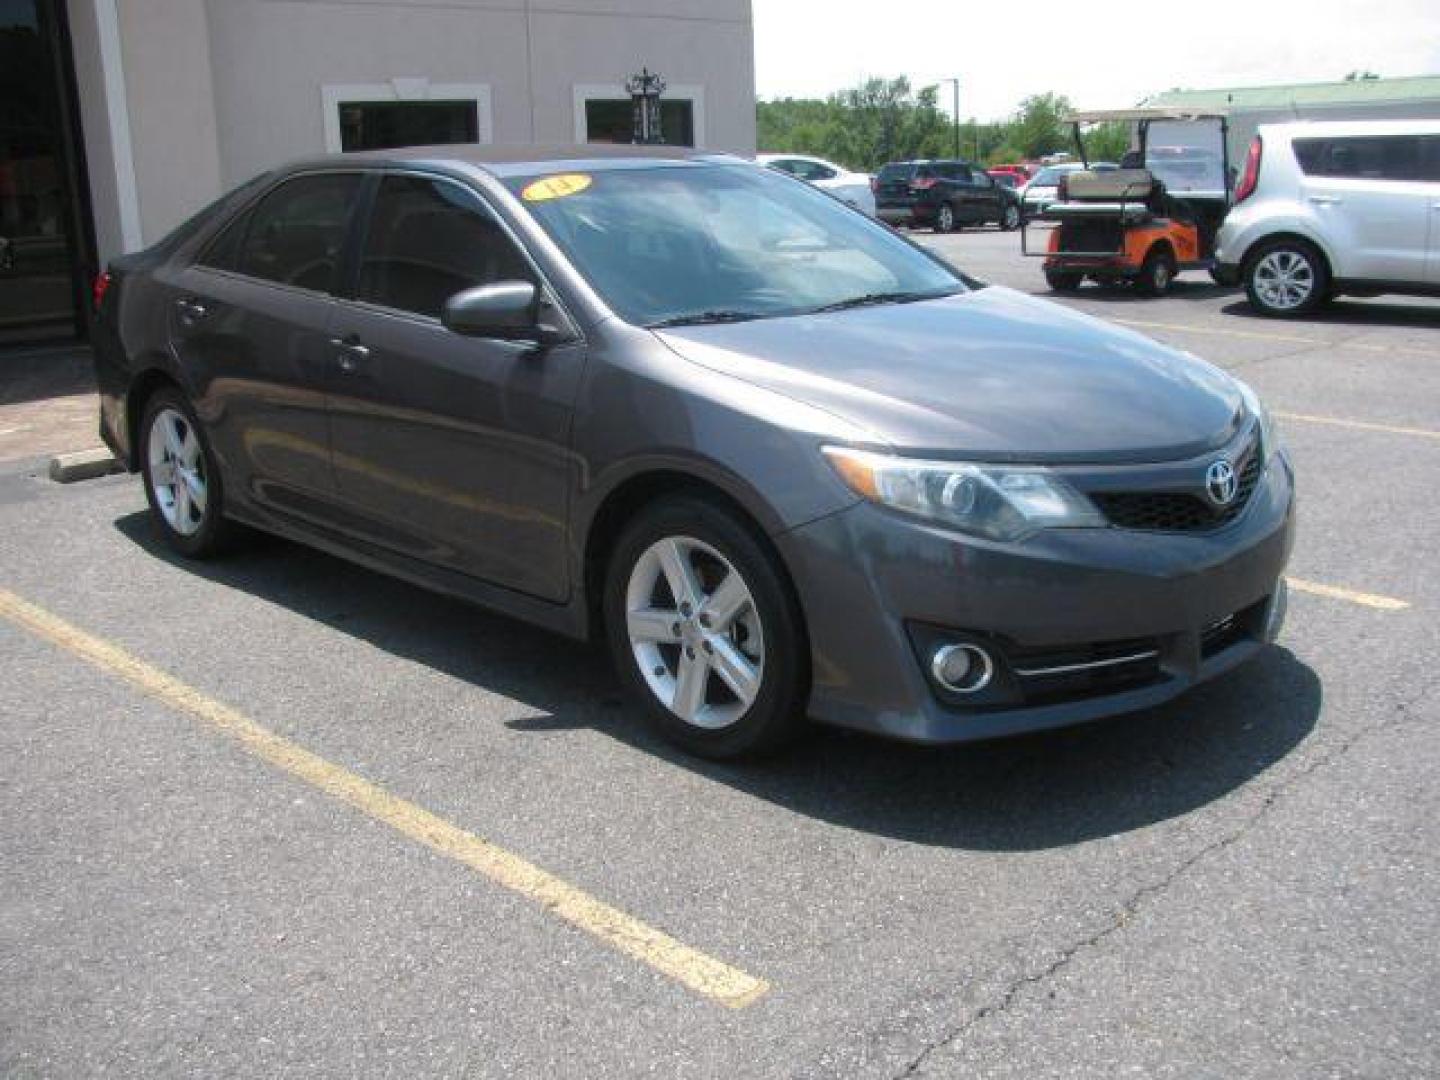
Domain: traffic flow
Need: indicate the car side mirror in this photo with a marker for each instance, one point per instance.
(508, 310)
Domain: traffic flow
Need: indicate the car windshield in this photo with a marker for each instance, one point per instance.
(720, 243)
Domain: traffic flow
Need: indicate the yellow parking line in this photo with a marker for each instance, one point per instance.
(1334, 592)
(1359, 425)
(1256, 335)
(695, 970)
(1262, 335)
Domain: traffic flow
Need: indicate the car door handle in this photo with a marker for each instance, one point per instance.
(1326, 200)
(349, 354)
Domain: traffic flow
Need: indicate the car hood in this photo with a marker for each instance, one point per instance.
(992, 374)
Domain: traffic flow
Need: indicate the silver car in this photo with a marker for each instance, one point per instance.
(1335, 207)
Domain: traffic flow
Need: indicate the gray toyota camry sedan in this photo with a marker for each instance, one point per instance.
(788, 463)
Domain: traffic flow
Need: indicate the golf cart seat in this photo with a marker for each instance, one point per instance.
(1129, 194)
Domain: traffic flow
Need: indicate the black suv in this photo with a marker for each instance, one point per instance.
(943, 194)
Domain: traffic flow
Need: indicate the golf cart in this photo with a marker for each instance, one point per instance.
(1152, 218)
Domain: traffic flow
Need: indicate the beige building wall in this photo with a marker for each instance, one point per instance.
(183, 99)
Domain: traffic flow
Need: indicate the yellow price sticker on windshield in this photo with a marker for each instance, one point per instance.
(556, 187)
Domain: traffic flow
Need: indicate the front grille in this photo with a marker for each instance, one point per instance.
(1178, 511)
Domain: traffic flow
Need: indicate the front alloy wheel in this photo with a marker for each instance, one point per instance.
(694, 632)
(704, 627)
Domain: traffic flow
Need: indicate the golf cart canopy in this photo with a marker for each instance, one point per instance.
(1162, 112)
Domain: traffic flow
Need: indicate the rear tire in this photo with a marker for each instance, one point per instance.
(1010, 218)
(945, 218)
(1286, 277)
(724, 671)
(182, 480)
(1064, 280)
(1157, 273)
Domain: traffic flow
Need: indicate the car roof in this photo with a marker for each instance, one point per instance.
(524, 159)
(1292, 128)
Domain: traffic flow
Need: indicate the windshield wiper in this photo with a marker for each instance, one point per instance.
(870, 299)
(699, 318)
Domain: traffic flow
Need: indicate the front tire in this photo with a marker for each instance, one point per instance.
(945, 218)
(1010, 218)
(182, 480)
(705, 631)
(1286, 278)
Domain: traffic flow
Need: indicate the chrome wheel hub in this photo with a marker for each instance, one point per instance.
(694, 632)
(177, 472)
(1284, 279)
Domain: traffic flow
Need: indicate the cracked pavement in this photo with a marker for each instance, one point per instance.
(1242, 883)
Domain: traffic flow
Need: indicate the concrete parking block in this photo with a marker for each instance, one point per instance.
(83, 465)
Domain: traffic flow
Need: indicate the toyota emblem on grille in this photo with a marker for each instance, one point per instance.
(1220, 483)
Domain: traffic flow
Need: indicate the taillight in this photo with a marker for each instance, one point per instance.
(1250, 177)
(100, 287)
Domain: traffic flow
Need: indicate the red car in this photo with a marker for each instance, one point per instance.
(1021, 173)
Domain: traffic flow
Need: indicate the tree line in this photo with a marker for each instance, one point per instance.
(883, 120)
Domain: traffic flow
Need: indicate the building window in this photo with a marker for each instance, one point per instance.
(602, 114)
(379, 125)
(611, 121)
(404, 112)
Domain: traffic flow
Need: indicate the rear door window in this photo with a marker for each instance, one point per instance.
(294, 236)
(1430, 158)
(1384, 157)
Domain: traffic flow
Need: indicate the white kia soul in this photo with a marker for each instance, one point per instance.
(1335, 207)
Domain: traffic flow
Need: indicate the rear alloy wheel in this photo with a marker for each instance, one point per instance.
(1157, 273)
(1010, 221)
(182, 483)
(703, 629)
(1286, 278)
(945, 218)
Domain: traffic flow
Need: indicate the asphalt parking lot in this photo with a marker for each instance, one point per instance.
(276, 815)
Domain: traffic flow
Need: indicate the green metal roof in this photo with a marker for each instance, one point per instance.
(1417, 88)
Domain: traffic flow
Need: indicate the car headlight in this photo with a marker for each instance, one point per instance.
(1256, 408)
(999, 502)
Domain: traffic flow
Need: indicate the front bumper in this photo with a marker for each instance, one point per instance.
(873, 584)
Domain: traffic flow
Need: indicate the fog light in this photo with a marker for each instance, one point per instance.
(962, 669)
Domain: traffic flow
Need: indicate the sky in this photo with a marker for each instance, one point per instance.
(1099, 54)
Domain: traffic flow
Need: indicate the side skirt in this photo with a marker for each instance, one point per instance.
(569, 619)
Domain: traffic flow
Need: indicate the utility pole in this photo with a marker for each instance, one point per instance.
(956, 84)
